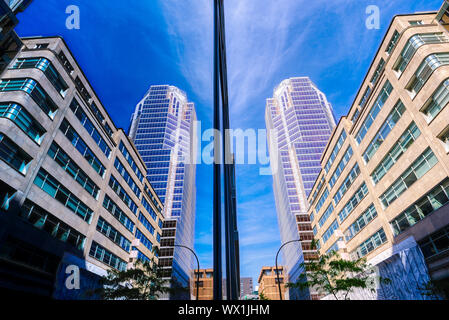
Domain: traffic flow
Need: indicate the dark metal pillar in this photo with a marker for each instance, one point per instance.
(217, 167)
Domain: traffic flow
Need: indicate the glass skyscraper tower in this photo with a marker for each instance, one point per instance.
(163, 132)
(304, 121)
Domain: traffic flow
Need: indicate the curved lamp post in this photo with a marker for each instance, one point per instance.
(198, 270)
(277, 270)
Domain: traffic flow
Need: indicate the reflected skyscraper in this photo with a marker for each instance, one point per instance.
(304, 122)
(163, 132)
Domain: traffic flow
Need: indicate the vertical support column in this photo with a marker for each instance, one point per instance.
(217, 168)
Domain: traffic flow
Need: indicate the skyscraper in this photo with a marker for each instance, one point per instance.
(303, 120)
(163, 132)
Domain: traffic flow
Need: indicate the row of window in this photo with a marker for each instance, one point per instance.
(419, 168)
(358, 196)
(366, 217)
(384, 131)
(107, 257)
(322, 200)
(23, 119)
(375, 109)
(90, 128)
(146, 223)
(425, 70)
(326, 215)
(436, 243)
(112, 234)
(70, 166)
(13, 155)
(352, 176)
(47, 222)
(123, 195)
(432, 201)
(56, 190)
(341, 166)
(82, 147)
(369, 245)
(116, 212)
(144, 240)
(32, 88)
(45, 66)
(130, 160)
(330, 231)
(397, 150)
(127, 177)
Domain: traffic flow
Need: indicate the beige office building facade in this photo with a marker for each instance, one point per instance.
(383, 191)
(73, 187)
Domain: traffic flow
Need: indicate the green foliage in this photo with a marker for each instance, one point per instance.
(262, 296)
(332, 275)
(143, 282)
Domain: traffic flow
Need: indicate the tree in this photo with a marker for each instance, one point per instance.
(143, 282)
(262, 296)
(329, 274)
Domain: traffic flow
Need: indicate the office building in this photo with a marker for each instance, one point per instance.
(162, 128)
(205, 284)
(246, 287)
(383, 191)
(73, 189)
(268, 283)
(10, 43)
(303, 120)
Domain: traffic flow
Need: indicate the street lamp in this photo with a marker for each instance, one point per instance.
(277, 270)
(198, 270)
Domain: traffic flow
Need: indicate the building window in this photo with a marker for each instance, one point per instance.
(333, 248)
(150, 210)
(330, 231)
(372, 243)
(375, 109)
(130, 160)
(112, 234)
(378, 71)
(416, 22)
(107, 257)
(123, 195)
(393, 42)
(335, 151)
(13, 155)
(65, 62)
(23, 120)
(358, 196)
(425, 70)
(82, 147)
(117, 213)
(399, 148)
(341, 166)
(90, 128)
(436, 243)
(355, 171)
(326, 215)
(32, 88)
(432, 201)
(57, 191)
(445, 139)
(127, 177)
(322, 200)
(146, 223)
(362, 221)
(412, 46)
(438, 100)
(384, 131)
(69, 166)
(47, 222)
(365, 97)
(144, 240)
(419, 168)
(49, 70)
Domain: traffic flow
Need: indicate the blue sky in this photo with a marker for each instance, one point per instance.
(126, 46)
